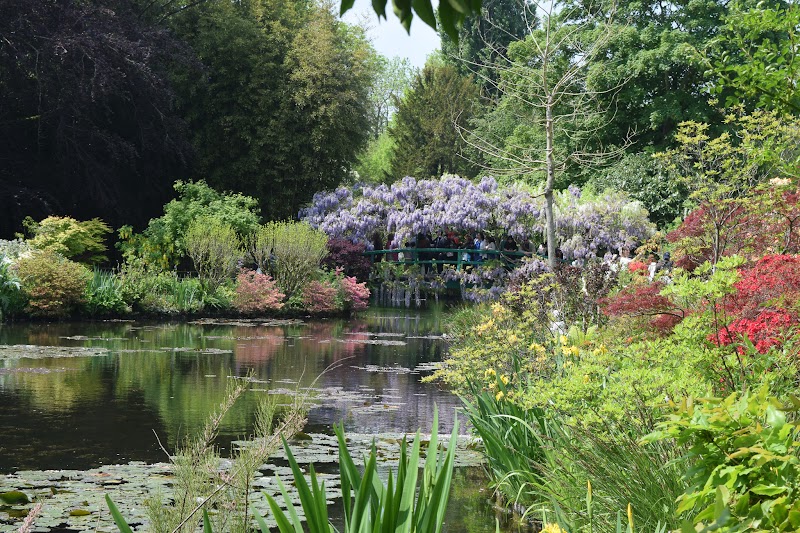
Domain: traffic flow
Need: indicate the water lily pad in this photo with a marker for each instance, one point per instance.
(14, 497)
(29, 351)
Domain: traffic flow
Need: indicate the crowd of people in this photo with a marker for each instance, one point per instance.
(448, 246)
(657, 266)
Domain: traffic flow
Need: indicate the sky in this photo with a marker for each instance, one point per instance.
(390, 38)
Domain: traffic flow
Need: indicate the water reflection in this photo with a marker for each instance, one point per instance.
(165, 378)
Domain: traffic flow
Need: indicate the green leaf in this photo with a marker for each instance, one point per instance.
(768, 490)
(346, 6)
(206, 523)
(122, 525)
(424, 11)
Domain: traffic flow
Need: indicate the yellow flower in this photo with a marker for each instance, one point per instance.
(586, 379)
(512, 339)
(553, 528)
(505, 380)
(565, 350)
(603, 349)
(499, 396)
(489, 373)
(564, 340)
(574, 350)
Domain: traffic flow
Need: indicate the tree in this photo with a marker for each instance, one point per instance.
(486, 35)
(280, 107)
(543, 81)
(722, 174)
(426, 125)
(392, 78)
(645, 179)
(755, 56)
(87, 120)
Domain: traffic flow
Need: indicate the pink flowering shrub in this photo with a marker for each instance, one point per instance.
(356, 295)
(321, 296)
(257, 293)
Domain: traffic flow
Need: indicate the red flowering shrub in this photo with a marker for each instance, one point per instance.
(637, 267)
(321, 297)
(773, 282)
(766, 330)
(256, 292)
(347, 256)
(356, 295)
(645, 301)
(765, 303)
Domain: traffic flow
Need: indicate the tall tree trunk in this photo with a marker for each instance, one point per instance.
(548, 188)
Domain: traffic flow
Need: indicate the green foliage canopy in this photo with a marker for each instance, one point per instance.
(163, 242)
(427, 124)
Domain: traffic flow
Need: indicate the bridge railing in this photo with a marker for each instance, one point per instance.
(446, 256)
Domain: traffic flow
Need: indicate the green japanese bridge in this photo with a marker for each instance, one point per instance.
(425, 256)
(415, 272)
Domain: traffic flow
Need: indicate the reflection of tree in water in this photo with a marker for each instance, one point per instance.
(168, 377)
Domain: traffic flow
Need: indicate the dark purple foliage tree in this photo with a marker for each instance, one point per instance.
(86, 120)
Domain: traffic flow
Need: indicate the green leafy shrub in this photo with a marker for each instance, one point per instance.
(104, 294)
(12, 299)
(745, 457)
(81, 241)
(162, 244)
(150, 290)
(291, 252)
(54, 286)
(214, 249)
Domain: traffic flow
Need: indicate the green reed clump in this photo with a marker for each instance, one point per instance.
(539, 464)
(202, 487)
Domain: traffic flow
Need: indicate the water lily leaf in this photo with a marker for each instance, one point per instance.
(14, 497)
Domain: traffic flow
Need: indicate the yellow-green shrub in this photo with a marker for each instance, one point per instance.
(291, 252)
(53, 285)
(82, 241)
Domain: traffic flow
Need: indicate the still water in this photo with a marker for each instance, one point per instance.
(147, 382)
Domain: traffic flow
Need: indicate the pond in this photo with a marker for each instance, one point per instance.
(80, 396)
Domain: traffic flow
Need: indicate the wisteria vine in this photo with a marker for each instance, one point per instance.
(586, 226)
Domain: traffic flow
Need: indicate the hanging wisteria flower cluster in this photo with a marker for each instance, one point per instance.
(585, 226)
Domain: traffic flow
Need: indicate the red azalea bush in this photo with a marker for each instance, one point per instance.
(764, 306)
(321, 297)
(637, 267)
(349, 257)
(256, 292)
(356, 295)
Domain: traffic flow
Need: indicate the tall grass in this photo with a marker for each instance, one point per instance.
(105, 293)
(542, 466)
(412, 501)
